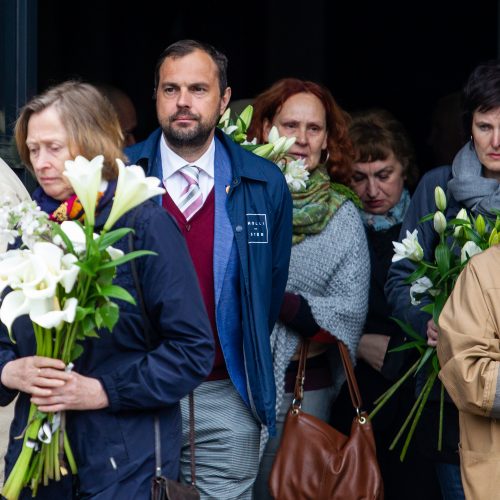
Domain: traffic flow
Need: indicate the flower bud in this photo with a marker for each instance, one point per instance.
(480, 225)
(494, 238)
(439, 222)
(462, 215)
(440, 198)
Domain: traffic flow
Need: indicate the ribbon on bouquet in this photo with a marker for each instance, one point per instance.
(47, 429)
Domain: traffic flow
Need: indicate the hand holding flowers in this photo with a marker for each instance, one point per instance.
(430, 285)
(62, 277)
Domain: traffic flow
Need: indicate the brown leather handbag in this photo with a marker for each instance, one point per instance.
(317, 462)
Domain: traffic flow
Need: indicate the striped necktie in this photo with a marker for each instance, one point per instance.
(191, 199)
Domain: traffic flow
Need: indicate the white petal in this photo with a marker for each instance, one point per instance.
(14, 304)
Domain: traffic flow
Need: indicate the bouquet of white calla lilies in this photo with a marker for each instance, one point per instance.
(62, 278)
(432, 282)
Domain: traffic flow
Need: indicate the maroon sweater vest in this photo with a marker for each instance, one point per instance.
(199, 235)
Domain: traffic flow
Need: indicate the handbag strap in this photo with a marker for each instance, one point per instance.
(298, 394)
(148, 329)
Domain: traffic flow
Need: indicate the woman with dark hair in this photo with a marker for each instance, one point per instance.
(472, 182)
(384, 171)
(469, 327)
(327, 288)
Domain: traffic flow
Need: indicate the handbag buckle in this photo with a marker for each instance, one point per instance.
(361, 418)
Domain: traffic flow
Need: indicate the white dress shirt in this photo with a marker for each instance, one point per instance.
(173, 180)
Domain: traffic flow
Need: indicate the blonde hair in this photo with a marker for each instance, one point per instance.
(89, 119)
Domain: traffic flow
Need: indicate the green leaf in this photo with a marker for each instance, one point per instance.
(117, 292)
(407, 328)
(81, 312)
(427, 217)
(408, 345)
(415, 275)
(107, 239)
(443, 256)
(110, 313)
(126, 258)
(76, 351)
(439, 302)
(67, 242)
(428, 308)
(427, 354)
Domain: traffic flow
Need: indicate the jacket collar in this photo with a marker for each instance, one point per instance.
(146, 152)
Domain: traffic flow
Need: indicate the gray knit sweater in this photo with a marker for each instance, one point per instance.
(331, 270)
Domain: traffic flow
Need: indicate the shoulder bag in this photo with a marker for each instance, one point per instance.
(315, 461)
(163, 488)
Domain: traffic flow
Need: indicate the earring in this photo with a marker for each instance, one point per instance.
(327, 156)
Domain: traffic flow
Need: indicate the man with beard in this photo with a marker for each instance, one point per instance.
(234, 210)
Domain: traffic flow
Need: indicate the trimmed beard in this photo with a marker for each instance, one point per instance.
(196, 137)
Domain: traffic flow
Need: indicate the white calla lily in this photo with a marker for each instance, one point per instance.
(49, 315)
(75, 234)
(69, 272)
(132, 189)
(14, 304)
(85, 178)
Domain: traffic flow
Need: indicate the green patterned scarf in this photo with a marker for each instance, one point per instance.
(314, 206)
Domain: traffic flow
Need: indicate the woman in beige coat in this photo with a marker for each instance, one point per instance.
(469, 353)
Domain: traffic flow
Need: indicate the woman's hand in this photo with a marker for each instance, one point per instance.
(34, 375)
(432, 333)
(77, 393)
(372, 348)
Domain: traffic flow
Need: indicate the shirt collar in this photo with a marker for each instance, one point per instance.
(172, 162)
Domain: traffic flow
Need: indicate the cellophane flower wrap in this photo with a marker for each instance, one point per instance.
(431, 284)
(275, 150)
(62, 277)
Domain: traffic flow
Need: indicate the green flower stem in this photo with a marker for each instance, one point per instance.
(426, 391)
(18, 476)
(381, 400)
(441, 413)
(69, 455)
(407, 420)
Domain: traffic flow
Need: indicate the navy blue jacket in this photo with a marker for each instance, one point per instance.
(114, 447)
(257, 193)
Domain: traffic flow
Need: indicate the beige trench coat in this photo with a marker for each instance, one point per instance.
(469, 353)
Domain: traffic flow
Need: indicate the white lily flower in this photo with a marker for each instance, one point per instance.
(419, 287)
(69, 272)
(132, 189)
(114, 253)
(43, 315)
(296, 175)
(440, 198)
(75, 234)
(462, 215)
(439, 222)
(468, 250)
(224, 119)
(264, 150)
(246, 115)
(274, 135)
(229, 129)
(14, 304)
(409, 248)
(85, 178)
